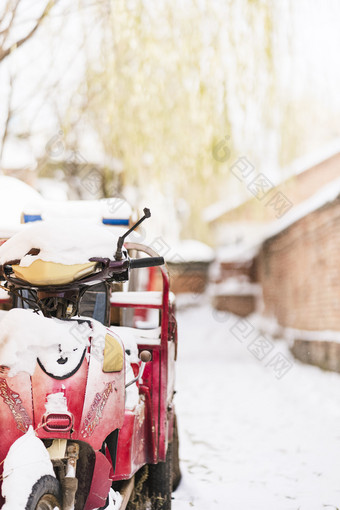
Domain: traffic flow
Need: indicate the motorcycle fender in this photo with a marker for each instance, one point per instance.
(101, 483)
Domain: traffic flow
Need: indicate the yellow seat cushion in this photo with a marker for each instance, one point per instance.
(41, 272)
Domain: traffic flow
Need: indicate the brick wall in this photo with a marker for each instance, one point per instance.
(237, 269)
(300, 272)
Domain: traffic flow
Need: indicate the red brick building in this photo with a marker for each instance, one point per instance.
(299, 270)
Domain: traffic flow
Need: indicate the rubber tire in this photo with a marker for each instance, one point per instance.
(47, 485)
(176, 470)
(160, 482)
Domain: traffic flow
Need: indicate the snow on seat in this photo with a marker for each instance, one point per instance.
(147, 298)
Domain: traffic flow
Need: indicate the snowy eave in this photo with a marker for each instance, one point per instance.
(190, 250)
(237, 253)
(236, 287)
(325, 195)
(305, 163)
(299, 166)
(292, 334)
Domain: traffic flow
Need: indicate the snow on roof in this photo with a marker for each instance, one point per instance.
(25, 335)
(307, 162)
(235, 287)
(113, 208)
(326, 335)
(299, 166)
(326, 194)
(190, 250)
(62, 241)
(17, 198)
(240, 252)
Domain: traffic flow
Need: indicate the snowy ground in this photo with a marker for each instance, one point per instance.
(251, 441)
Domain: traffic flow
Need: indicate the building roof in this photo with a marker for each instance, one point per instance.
(303, 179)
(327, 194)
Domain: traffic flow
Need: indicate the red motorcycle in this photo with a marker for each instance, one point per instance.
(95, 415)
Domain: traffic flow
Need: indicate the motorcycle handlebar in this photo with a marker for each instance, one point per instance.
(146, 262)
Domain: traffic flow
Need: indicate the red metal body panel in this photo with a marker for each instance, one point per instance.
(156, 383)
(101, 483)
(94, 398)
(74, 389)
(103, 409)
(132, 451)
(16, 414)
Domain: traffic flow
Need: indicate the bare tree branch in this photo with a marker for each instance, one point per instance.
(20, 42)
(4, 33)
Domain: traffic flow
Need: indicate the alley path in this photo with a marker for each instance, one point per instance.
(251, 441)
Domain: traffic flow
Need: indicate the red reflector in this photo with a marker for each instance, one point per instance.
(57, 422)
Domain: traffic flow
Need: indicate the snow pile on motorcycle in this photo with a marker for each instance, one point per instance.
(60, 241)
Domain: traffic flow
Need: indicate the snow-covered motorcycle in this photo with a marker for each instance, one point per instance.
(87, 417)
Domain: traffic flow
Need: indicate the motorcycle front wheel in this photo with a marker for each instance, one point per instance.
(45, 495)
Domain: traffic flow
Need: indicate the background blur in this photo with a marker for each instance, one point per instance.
(159, 98)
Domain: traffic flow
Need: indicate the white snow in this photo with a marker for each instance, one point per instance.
(152, 298)
(267, 324)
(247, 439)
(63, 241)
(191, 250)
(237, 252)
(17, 197)
(26, 336)
(14, 196)
(312, 335)
(132, 336)
(3, 295)
(235, 286)
(115, 500)
(56, 403)
(26, 462)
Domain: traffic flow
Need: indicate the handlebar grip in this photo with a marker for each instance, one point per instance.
(146, 262)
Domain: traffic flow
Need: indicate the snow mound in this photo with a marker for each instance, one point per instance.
(26, 336)
(26, 462)
(62, 241)
(15, 195)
